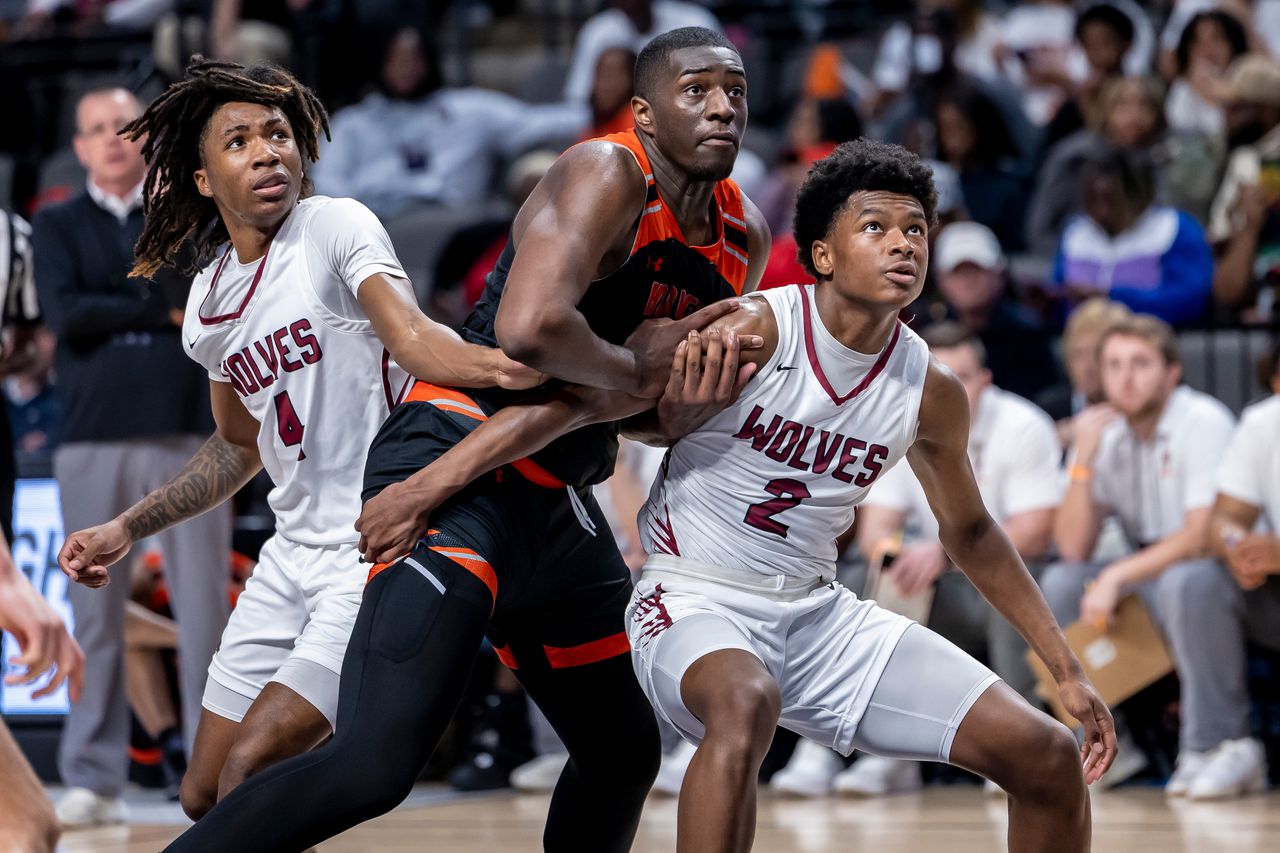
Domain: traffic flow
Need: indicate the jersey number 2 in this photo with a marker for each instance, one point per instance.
(789, 493)
(287, 423)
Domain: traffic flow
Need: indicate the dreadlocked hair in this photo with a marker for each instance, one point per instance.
(175, 125)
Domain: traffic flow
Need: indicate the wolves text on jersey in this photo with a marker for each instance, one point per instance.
(790, 441)
(287, 349)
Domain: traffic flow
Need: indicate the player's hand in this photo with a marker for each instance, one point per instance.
(697, 390)
(1099, 748)
(654, 341)
(1101, 598)
(1089, 426)
(512, 375)
(46, 646)
(394, 520)
(917, 566)
(86, 554)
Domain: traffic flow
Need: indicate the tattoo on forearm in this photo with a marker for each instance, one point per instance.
(217, 470)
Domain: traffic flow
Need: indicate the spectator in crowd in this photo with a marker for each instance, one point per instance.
(33, 409)
(1014, 453)
(974, 139)
(1130, 116)
(1035, 42)
(611, 90)
(1234, 600)
(134, 410)
(1148, 456)
(414, 140)
(1153, 258)
(19, 321)
(1211, 42)
(1104, 35)
(1245, 221)
(944, 35)
(969, 268)
(1085, 328)
(631, 24)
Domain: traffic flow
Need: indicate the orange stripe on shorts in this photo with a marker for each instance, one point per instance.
(596, 650)
(472, 562)
(504, 655)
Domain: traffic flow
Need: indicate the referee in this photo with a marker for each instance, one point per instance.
(19, 319)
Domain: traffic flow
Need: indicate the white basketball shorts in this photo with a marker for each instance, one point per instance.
(290, 625)
(852, 674)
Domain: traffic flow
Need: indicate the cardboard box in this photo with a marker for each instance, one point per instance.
(1120, 661)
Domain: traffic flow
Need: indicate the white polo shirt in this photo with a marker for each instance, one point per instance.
(1150, 486)
(1014, 451)
(1250, 469)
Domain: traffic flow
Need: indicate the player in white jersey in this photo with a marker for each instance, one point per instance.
(736, 623)
(310, 333)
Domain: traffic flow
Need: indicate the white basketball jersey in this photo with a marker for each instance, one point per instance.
(290, 337)
(768, 484)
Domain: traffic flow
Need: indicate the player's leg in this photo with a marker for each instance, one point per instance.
(739, 703)
(969, 718)
(411, 651)
(571, 653)
(609, 730)
(27, 821)
(268, 617)
(703, 674)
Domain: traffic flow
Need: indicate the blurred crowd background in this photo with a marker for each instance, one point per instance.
(1118, 155)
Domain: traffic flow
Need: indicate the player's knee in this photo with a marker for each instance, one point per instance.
(197, 799)
(1049, 767)
(745, 714)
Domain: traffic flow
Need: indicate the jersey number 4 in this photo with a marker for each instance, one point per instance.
(288, 424)
(789, 494)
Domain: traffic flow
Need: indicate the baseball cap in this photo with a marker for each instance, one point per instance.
(967, 242)
(1253, 79)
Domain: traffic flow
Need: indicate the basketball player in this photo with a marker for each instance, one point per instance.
(27, 821)
(737, 625)
(310, 332)
(642, 224)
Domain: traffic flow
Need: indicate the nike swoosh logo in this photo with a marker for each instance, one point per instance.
(192, 343)
(786, 367)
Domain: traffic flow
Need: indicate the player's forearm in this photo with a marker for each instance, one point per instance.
(517, 431)
(558, 342)
(435, 353)
(215, 473)
(990, 562)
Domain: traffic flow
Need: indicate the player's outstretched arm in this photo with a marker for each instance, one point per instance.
(219, 468)
(431, 351)
(977, 545)
(394, 519)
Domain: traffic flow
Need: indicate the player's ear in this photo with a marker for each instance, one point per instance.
(202, 183)
(820, 254)
(642, 113)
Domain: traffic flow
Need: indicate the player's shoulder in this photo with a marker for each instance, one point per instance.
(606, 164)
(329, 216)
(943, 404)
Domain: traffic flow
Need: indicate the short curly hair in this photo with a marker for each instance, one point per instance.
(857, 166)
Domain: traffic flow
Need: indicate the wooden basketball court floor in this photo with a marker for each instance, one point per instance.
(957, 819)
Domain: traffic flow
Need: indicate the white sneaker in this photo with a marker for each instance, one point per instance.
(1130, 761)
(541, 774)
(1189, 764)
(872, 776)
(1233, 768)
(674, 765)
(810, 771)
(80, 808)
